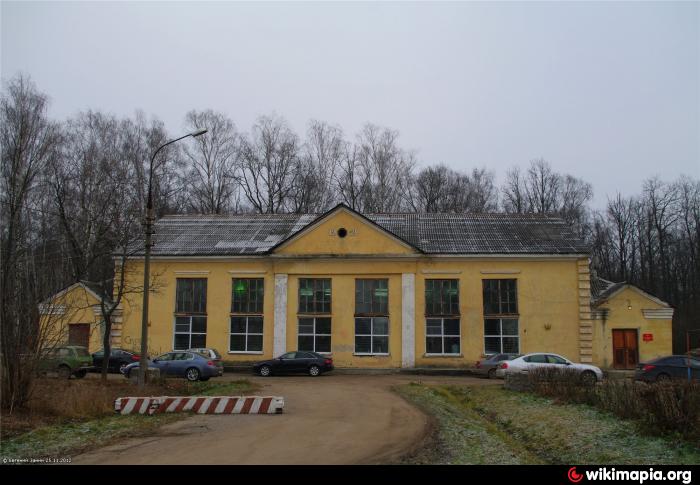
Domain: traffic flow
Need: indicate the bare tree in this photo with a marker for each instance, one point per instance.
(513, 191)
(542, 187)
(385, 167)
(213, 160)
(316, 168)
(268, 161)
(28, 144)
(351, 181)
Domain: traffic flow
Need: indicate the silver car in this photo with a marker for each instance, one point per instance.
(541, 360)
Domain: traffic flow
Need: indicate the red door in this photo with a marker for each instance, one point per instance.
(625, 351)
(79, 334)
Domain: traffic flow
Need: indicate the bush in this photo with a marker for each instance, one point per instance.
(668, 407)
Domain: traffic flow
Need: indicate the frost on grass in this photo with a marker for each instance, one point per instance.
(491, 425)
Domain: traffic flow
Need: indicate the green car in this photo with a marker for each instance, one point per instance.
(69, 360)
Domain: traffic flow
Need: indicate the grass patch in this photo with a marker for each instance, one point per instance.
(68, 417)
(489, 425)
(65, 440)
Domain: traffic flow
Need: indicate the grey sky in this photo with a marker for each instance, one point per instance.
(609, 92)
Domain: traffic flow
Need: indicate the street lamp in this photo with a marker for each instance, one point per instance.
(143, 367)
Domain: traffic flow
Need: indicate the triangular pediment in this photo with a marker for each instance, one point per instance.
(343, 231)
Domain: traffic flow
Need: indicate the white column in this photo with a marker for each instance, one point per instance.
(408, 320)
(279, 345)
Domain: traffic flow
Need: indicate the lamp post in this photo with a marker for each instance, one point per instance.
(148, 224)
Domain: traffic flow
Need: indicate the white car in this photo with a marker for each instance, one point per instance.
(528, 362)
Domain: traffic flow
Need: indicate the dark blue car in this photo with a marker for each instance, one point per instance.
(190, 365)
(669, 367)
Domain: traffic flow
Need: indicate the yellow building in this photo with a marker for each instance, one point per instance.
(630, 325)
(373, 290)
(73, 317)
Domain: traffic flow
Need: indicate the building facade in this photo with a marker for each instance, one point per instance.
(374, 291)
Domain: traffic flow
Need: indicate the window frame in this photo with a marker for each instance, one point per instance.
(315, 303)
(501, 315)
(372, 335)
(247, 333)
(449, 304)
(247, 315)
(189, 316)
(443, 336)
(371, 315)
(500, 336)
(260, 287)
(315, 334)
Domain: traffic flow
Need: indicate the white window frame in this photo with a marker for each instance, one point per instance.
(246, 334)
(442, 336)
(314, 335)
(372, 335)
(501, 334)
(190, 332)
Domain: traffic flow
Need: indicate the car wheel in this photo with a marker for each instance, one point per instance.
(122, 366)
(589, 378)
(64, 372)
(80, 374)
(265, 371)
(192, 374)
(663, 377)
(314, 371)
(491, 374)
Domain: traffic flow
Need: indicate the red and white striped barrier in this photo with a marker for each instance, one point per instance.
(200, 405)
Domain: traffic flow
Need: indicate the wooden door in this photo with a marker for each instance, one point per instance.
(79, 334)
(625, 351)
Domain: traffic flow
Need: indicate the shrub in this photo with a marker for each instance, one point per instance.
(668, 407)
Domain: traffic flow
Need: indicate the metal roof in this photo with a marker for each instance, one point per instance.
(258, 234)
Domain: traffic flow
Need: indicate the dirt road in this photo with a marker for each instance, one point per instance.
(332, 419)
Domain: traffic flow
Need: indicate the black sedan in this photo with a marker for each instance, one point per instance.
(671, 367)
(118, 359)
(295, 362)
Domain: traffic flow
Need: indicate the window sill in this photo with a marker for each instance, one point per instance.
(235, 352)
(443, 355)
(370, 355)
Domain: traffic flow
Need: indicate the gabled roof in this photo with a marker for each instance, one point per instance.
(89, 287)
(463, 234)
(603, 290)
(334, 210)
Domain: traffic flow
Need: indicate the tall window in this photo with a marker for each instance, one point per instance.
(247, 303)
(372, 317)
(190, 313)
(442, 322)
(314, 331)
(501, 333)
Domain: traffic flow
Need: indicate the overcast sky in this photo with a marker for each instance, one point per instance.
(609, 92)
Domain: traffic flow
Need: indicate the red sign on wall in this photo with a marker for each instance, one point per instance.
(647, 337)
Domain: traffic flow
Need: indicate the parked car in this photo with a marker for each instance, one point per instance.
(669, 367)
(179, 363)
(68, 360)
(295, 362)
(212, 354)
(118, 359)
(529, 362)
(489, 365)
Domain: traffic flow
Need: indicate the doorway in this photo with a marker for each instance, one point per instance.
(79, 334)
(625, 349)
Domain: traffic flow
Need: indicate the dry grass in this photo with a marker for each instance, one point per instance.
(672, 407)
(57, 401)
